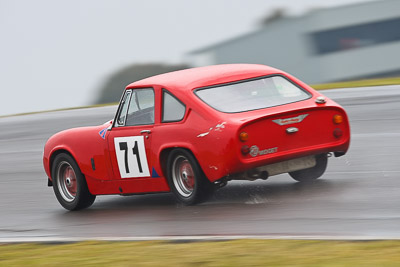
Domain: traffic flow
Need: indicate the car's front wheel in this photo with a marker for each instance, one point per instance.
(69, 184)
(312, 173)
(186, 179)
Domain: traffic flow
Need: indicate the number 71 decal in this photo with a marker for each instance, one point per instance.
(131, 156)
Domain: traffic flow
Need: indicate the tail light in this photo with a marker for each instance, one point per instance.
(337, 133)
(243, 136)
(245, 150)
(337, 119)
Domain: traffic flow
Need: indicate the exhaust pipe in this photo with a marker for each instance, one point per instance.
(255, 174)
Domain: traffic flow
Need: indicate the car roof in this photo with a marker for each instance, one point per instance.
(205, 76)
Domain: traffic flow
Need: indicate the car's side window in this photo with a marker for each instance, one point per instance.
(173, 109)
(123, 109)
(141, 107)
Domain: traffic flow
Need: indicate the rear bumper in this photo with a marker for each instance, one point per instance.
(266, 171)
(248, 163)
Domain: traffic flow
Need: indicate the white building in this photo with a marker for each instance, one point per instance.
(326, 45)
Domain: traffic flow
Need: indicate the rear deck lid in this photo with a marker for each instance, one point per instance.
(296, 131)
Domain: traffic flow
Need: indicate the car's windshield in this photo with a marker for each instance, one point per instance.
(252, 94)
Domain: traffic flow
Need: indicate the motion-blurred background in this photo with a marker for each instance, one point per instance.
(59, 54)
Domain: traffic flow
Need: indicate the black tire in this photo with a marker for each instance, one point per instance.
(313, 173)
(186, 179)
(69, 184)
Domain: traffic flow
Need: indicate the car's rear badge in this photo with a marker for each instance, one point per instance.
(255, 151)
(287, 121)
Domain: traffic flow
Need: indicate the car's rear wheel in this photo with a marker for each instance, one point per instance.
(69, 184)
(312, 173)
(186, 179)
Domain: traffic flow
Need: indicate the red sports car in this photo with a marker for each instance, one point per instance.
(192, 131)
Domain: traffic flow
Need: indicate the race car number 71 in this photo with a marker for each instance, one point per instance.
(131, 156)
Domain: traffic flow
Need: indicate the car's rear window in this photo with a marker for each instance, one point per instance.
(252, 94)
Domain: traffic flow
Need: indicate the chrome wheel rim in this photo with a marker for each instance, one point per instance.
(183, 176)
(66, 181)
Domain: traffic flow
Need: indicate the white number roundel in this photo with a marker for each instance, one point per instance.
(131, 156)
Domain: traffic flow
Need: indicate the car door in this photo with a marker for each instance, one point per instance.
(129, 140)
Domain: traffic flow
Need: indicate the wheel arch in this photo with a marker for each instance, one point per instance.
(165, 152)
(54, 154)
(83, 197)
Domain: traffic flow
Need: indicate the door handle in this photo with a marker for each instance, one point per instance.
(145, 131)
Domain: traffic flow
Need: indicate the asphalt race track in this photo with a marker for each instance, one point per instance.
(358, 197)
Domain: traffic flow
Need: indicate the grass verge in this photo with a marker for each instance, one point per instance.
(204, 253)
(358, 83)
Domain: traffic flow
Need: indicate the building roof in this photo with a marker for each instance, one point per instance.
(373, 4)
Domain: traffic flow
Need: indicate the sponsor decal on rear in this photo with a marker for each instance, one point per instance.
(287, 121)
(255, 151)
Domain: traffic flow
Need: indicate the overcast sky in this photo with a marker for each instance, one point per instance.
(56, 54)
